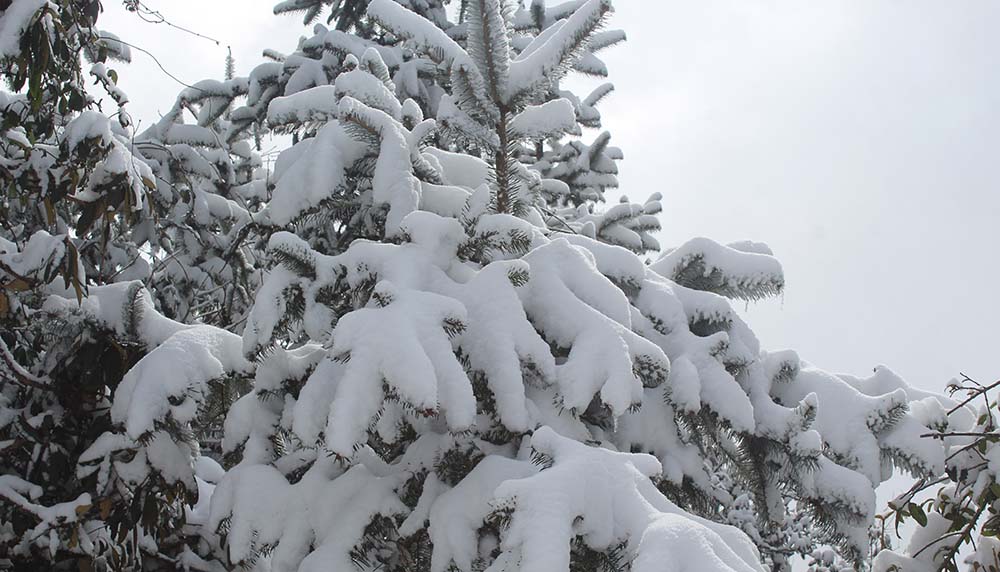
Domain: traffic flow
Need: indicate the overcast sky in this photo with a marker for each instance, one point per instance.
(858, 139)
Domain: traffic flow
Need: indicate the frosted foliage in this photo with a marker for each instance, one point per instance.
(551, 119)
(610, 499)
(165, 389)
(148, 445)
(91, 129)
(626, 224)
(16, 18)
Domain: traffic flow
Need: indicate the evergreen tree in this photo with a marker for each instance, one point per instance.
(402, 379)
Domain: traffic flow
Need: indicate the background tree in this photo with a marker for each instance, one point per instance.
(81, 214)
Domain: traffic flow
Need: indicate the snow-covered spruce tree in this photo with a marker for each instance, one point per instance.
(574, 175)
(577, 175)
(468, 387)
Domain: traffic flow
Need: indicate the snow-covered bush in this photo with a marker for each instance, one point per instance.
(134, 458)
(79, 219)
(956, 526)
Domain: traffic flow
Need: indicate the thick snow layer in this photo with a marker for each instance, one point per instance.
(325, 509)
(343, 43)
(88, 125)
(315, 104)
(541, 64)
(456, 515)
(626, 225)
(708, 265)
(581, 310)
(314, 175)
(404, 345)
(14, 21)
(117, 161)
(172, 379)
(369, 90)
(459, 169)
(551, 119)
(41, 255)
(501, 342)
(168, 383)
(606, 497)
(417, 30)
(393, 181)
(851, 423)
(445, 200)
(21, 493)
(931, 541)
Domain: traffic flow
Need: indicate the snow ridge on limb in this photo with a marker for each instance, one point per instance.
(159, 397)
(324, 167)
(547, 510)
(550, 60)
(411, 26)
(629, 225)
(560, 291)
(746, 271)
(393, 182)
(551, 119)
(403, 343)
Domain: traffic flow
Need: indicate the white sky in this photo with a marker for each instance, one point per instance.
(858, 139)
